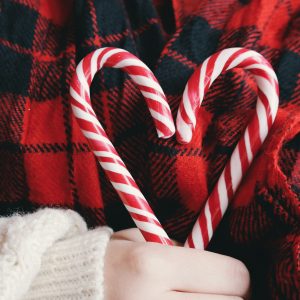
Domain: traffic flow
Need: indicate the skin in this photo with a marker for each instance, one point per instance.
(136, 270)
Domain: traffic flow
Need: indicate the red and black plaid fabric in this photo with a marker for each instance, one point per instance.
(45, 160)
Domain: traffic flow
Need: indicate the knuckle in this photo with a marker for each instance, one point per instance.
(140, 260)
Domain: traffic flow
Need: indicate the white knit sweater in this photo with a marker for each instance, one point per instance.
(50, 254)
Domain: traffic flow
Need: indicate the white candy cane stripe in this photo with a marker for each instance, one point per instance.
(247, 147)
(154, 97)
(150, 228)
(116, 167)
(107, 154)
(140, 212)
(130, 63)
(101, 146)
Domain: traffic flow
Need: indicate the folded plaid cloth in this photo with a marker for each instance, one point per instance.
(45, 160)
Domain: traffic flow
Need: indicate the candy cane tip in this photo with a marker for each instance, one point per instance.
(184, 134)
(165, 135)
(186, 245)
(181, 140)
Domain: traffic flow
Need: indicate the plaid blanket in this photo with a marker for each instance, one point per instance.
(45, 160)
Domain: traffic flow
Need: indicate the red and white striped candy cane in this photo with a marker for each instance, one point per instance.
(103, 149)
(255, 133)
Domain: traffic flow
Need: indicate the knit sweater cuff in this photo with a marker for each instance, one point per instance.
(50, 254)
(72, 268)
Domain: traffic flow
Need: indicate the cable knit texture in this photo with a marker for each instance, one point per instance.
(51, 255)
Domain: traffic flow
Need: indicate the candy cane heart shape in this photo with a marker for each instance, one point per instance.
(255, 133)
(103, 149)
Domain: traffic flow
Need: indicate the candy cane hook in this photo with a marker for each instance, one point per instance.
(103, 149)
(250, 143)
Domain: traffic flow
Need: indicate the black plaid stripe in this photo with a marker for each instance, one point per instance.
(11, 117)
(290, 163)
(14, 16)
(174, 81)
(10, 80)
(49, 39)
(13, 185)
(48, 75)
(288, 75)
(197, 40)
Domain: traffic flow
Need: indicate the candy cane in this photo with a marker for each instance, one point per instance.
(255, 133)
(103, 149)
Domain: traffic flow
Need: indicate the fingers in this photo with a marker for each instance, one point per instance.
(163, 271)
(132, 234)
(187, 270)
(196, 271)
(192, 296)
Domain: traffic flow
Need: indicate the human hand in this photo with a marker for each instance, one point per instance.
(136, 270)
